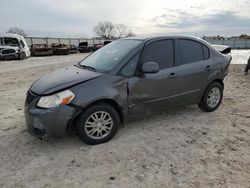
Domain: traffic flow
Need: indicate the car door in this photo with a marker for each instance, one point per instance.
(193, 72)
(152, 92)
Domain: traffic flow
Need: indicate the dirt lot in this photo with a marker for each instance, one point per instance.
(182, 148)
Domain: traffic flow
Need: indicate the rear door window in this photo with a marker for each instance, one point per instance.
(191, 51)
(161, 52)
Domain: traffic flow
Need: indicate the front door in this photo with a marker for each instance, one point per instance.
(152, 92)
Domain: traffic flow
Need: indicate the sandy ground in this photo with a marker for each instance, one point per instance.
(182, 148)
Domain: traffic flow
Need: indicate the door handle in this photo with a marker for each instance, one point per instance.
(208, 68)
(172, 75)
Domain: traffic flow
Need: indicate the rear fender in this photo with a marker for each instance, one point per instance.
(222, 59)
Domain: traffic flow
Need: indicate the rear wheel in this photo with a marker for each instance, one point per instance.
(212, 97)
(98, 124)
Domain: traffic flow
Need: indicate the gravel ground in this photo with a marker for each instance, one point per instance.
(182, 148)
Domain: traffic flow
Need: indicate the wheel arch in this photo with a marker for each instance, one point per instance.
(111, 102)
(219, 80)
(81, 110)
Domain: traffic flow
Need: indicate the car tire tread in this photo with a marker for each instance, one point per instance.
(203, 104)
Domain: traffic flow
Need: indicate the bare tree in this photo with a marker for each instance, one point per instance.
(16, 30)
(121, 30)
(108, 30)
(104, 29)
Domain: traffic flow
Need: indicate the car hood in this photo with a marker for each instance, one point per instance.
(61, 79)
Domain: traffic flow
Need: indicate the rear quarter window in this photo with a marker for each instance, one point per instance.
(206, 52)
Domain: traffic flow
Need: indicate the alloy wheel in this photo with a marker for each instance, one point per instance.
(98, 125)
(213, 97)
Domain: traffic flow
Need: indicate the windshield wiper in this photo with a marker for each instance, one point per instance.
(86, 67)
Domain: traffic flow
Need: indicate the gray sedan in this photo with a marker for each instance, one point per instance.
(127, 79)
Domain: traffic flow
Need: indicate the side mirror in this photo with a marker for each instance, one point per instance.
(150, 67)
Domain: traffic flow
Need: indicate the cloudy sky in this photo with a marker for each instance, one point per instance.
(75, 18)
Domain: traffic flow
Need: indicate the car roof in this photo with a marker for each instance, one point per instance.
(11, 35)
(151, 37)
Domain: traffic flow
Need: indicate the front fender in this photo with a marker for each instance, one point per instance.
(105, 87)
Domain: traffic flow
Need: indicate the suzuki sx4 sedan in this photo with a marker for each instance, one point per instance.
(124, 80)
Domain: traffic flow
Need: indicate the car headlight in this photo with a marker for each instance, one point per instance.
(64, 97)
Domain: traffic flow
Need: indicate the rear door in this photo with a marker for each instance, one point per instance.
(193, 72)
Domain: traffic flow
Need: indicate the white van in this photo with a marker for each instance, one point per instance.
(13, 46)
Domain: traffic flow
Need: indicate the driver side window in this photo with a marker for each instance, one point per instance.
(161, 52)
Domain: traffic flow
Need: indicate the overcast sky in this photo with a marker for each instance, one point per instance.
(75, 18)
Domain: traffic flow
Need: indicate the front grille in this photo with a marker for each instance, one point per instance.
(8, 51)
(30, 97)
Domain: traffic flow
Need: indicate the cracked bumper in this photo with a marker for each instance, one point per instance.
(51, 122)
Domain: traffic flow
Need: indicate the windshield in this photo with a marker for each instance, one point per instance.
(9, 41)
(106, 58)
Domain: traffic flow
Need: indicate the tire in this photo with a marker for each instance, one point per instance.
(22, 56)
(208, 103)
(86, 124)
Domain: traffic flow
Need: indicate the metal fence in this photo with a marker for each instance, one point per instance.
(70, 41)
(234, 44)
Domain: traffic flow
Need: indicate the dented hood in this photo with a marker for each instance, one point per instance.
(62, 78)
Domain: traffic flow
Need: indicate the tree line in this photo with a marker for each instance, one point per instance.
(105, 30)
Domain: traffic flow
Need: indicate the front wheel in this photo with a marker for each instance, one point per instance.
(22, 56)
(98, 124)
(212, 97)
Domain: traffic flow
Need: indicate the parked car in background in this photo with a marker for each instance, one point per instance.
(100, 45)
(83, 47)
(60, 49)
(41, 50)
(13, 46)
(73, 49)
(96, 47)
(106, 42)
(125, 80)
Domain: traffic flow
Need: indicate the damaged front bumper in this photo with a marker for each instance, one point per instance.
(10, 53)
(53, 122)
